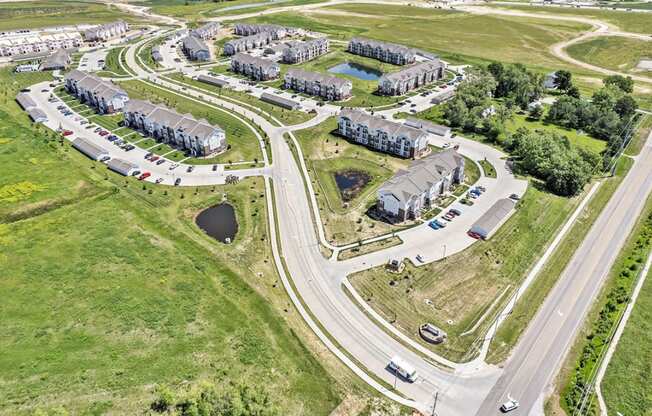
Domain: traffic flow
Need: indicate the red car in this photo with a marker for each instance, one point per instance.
(66, 132)
(474, 235)
(144, 176)
(153, 158)
(104, 133)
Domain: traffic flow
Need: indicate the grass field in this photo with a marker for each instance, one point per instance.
(198, 10)
(110, 288)
(35, 14)
(243, 143)
(455, 292)
(616, 53)
(488, 168)
(112, 67)
(458, 37)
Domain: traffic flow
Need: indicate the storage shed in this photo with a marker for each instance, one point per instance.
(123, 167)
(491, 220)
(37, 115)
(280, 101)
(90, 149)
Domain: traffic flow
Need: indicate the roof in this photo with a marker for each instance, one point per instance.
(25, 101)
(377, 123)
(59, 59)
(282, 101)
(297, 47)
(36, 114)
(422, 174)
(101, 88)
(317, 77)
(212, 80)
(391, 47)
(427, 126)
(88, 148)
(259, 28)
(206, 29)
(413, 71)
(262, 36)
(121, 166)
(194, 44)
(246, 59)
(494, 216)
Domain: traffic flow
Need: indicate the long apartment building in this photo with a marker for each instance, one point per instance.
(247, 43)
(320, 85)
(106, 31)
(258, 69)
(197, 137)
(12, 44)
(382, 135)
(105, 96)
(207, 31)
(298, 52)
(415, 76)
(277, 32)
(383, 51)
(195, 49)
(413, 190)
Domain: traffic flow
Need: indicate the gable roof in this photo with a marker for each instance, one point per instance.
(317, 77)
(378, 123)
(413, 71)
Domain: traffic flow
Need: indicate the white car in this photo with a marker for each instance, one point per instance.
(509, 405)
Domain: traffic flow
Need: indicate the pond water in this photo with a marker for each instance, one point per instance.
(356, 70)
(219, 222)
(350, 183)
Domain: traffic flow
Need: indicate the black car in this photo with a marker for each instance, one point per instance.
(177, 182)
(190, 169)
(214, 168)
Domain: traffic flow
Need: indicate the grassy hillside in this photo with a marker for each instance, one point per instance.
(617, 53)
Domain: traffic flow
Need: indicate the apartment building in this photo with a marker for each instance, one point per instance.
(415, 76)
(13, 44)
(195, 49)
(298, 52)
(277, 32)
(107, 31)
(59, 59)
(207, 31)
(320, 85)
(197, 137)
(383, 51)
(104, 96)
(258, 69)
(382, 135)
(247, 43)
(413, 190)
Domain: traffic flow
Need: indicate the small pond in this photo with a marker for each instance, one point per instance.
(356, 70)
(350, 183)
(219, 222)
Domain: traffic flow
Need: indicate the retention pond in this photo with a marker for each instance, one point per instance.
(356, 70)
(350, 183)
(219, 222)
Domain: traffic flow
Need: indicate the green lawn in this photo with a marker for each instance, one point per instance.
(488, 168)
(616, 53)
(243, 144)
(36, 14)
(195, 11)
(112, 67)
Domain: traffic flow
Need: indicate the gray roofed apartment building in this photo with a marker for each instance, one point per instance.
(105, 96)
(195, 49)
(383, 51)
(197, 137)
(206, 31)
(383, 135)
(321, 85)
(258, 69)
(415, 76)
(247, 43)
(106, 31)
(277, 32)
(60, 59)
(298, 52)
(409, 192)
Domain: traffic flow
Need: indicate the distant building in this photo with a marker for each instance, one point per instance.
(321, 85)
(258, 69)
(277, 32)
(105, 96)
(299, 52)
(213, 81)
(59, 60)
(45, 41)
(409, 192)
(207, 31)
(280, 101)
(415, 76)
(382, 135)
(156, 54)
(383, 51)
(105, 32)
(197, 137)
(25, 101)
(443, 132)
(195, 49)
(493, 218)
(90, 149)
(246, 43)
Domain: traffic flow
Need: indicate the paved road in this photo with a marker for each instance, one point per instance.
(540, 353)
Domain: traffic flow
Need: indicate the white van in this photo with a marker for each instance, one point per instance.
(403, 369)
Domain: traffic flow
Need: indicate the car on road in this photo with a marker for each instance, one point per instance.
(514, 197)
(190, 168)
(44, 90)
(144, 176)
(509, 405)
(177, 181)
(402, 368)
(159, 180)
(420, 258)
(214, 168)
(160, 161)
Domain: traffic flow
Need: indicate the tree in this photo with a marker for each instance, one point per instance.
(563, 80)
(620, 82)
(536, 112)
(573, 91)
(456, 112)
(625, 106)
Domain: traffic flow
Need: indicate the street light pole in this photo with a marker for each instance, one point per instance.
(434, 406)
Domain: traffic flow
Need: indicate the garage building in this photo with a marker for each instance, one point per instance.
(90, 149)
(212, 81)
(122, 167)
(37, 115)
(488, 223)
(280, 101)
(25, 101)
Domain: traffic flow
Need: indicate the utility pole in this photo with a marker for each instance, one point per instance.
(434, 406)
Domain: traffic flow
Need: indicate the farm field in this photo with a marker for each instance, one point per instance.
(35, 14)
(616, 53)
(458, 37)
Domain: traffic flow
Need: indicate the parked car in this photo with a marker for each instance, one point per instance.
(148, 155)
(434, 225)
(473, 235)
(214, 168)
(514, 197)
(160, 161)
(66, 132)
(173, 167)
(90, 126)
(154, 158)
(455, 211)
(119, 142)
(190, 168)
(177, 182)
(440, 223)
(158, 180)
(448, 216)
(509, 405)
(97, 129)
(103, 133)
(129, 147)
(83, 122)
(481, 188)
(144, 176)
(420, 258)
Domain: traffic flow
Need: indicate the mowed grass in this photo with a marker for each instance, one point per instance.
(112, 67)
(197, 10)
(36, 14)
(243, 144)
(616, 53)
(457, 36)
(454, 293)
(627, 385)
